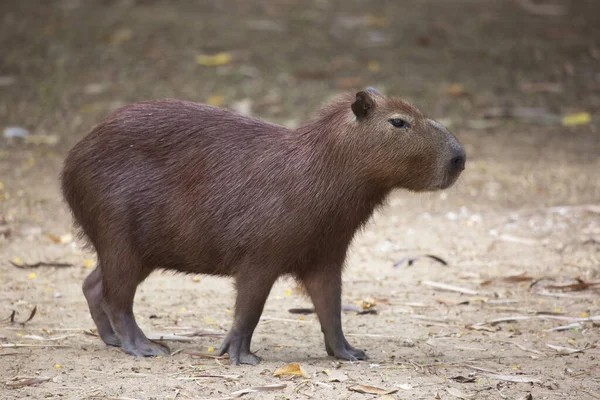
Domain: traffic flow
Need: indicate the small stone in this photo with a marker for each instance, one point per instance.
(15, 131)
(243, 107)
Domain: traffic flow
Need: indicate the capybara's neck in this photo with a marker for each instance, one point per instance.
(341, 182)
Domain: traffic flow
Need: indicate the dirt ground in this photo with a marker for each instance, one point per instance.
(520, 231)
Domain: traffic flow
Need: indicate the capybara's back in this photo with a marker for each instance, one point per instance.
(184, 186)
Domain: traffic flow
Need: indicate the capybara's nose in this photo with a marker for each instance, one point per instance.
(459, 160)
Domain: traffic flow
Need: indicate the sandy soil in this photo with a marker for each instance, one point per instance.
(523, 221)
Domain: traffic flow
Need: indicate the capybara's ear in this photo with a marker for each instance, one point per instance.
(363, 105)
(373, 90)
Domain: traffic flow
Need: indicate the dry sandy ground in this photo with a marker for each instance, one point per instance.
(523, 222)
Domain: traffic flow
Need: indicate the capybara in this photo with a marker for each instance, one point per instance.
(183, 186)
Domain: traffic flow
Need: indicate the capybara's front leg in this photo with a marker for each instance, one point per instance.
(324, 285)
(252, 292)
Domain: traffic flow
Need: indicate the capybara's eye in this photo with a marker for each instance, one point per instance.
(399, 123)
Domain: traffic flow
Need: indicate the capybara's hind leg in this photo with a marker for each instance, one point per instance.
(92, 289)
(120, 277)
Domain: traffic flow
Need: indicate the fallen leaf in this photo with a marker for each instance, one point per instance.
(291, 369)
(18, 381)
(404, 386)
(215, 100)
(121, 35)
(478, 327)
(266, 388)
(40, 264)
(456, 89)
(452, 288)
(374, 66)
(511, 378)
(214, 60)
(566, 350)
(336, 375)
(450, 302)
(88, 263)
(365, 389)
(53, 238)
(574, 286)
(411, 260)
(576, 119)
(463, 379)
(574, 325)
(457, 393)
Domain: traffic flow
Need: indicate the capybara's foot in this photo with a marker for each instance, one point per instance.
(238, 348)
(145, 348)
(347, 352)
(111, 339)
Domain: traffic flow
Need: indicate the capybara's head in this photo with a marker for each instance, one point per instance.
(405, 148)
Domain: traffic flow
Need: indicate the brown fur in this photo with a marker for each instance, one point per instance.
(188, 187)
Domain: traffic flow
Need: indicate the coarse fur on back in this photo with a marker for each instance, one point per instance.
(183, 186)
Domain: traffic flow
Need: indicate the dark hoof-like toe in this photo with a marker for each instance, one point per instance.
(348, 353)
(146, 348)
(238, 348)
(358, 354)
(111, 339)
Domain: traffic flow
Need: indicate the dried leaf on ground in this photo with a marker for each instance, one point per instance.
(168, 336)
(581, 285)
(451, 302)
(411, 260)
(40, 264)
(463, 379)
(208, 355)
(456, 90)
(452, 288)
(478, 327)
(336, 375)
(266, 388)
(522, 277)
(214, 60)
(291, 369)
(513, 378)
(365, 389)
(574, 325)
(202, 332)
(199, 376)
(580, 118)
(11, 319)
(21, 381)
(566, 350)
(522, 347)
(457, 393)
